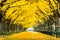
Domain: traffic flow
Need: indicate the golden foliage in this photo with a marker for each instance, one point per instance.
(28, 12)
(31, 36)
(0, 1)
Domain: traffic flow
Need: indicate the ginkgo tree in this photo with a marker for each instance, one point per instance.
(28, 12)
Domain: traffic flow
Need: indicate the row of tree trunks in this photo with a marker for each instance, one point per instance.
(57, 27)
(10, 28)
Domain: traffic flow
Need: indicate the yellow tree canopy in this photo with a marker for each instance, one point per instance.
(0, 1)
(28, 12)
